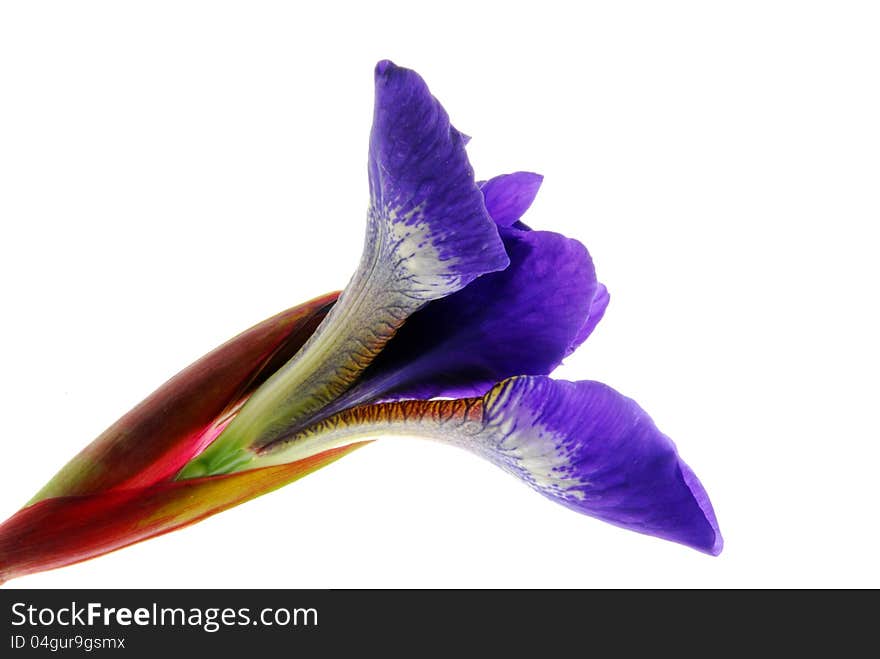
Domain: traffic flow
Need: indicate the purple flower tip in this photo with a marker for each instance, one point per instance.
(716, 544)
(384, 67)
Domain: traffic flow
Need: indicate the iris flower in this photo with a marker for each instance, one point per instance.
(449, 328)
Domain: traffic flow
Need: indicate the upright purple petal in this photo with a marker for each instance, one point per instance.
(508, 197)
(426, 207)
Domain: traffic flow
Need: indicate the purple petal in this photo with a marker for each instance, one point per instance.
(425, 202)
(581, 444)
(595, 451)
(509, 196)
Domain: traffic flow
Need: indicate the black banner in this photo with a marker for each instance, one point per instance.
(327, 623)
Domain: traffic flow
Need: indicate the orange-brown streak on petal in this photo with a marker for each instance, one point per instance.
(416, 414)
(60, 531)
(156, 438)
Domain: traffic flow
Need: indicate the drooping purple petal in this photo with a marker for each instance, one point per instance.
(581, 444)
(595, 451)
(508, 197)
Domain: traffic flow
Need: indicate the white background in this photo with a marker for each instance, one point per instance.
(173, 172)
